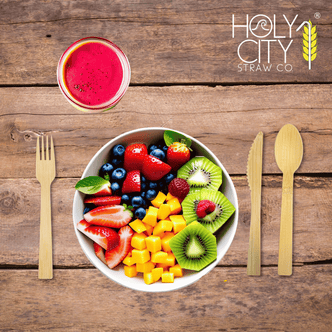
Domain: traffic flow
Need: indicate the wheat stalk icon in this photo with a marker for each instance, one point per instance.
(309, 42)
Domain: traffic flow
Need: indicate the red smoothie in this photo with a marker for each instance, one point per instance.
(93, 73)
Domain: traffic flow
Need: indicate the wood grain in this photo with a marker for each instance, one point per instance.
(224, 300)
(177, 42)
(19, 222)
(226, 119)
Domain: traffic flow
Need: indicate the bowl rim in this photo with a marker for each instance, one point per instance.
(199, 274)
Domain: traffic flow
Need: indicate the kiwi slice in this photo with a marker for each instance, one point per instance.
(194, 247)
(213, 221)
(201, 173)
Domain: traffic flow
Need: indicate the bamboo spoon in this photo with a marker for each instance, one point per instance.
(288, 151)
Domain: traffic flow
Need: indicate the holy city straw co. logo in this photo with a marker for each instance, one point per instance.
(261, 26)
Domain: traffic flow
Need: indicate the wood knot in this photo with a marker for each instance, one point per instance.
(8, 202)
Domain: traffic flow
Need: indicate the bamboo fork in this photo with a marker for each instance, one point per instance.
(45, 173)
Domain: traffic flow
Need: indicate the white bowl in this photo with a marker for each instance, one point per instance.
(224, 235)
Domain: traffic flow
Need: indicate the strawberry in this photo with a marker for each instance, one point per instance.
(104, 191)
(132, 182)
(106, 237)
(100, 252)
(205, 207)
(154, 169)
(82, 225)
(103, 200)
(118, 254)
(134, 156)
(177, 155)
(179, 188)
(114, 216)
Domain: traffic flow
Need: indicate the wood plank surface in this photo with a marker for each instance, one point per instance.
(226, 119)
(19, 222)
(224, 300)
(175, 42)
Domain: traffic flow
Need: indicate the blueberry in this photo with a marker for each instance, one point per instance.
(125, 199)
(152, 147)
(143, 185)
(115, 187)
(160, 154)
(118, 151)
(143, 194)
(116, 162)
(151, 194)
(165, 148)
(119, 174)
(143, 179)
(106, 169)
(87, 209)
(140, 213)
(153, 185)
(169, 177)
(137, 201)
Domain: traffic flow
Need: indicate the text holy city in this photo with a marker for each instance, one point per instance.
(269, 28)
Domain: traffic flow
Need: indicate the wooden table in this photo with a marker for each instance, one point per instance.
(184, 76)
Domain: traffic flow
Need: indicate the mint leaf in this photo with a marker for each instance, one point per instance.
(91, 184)
(106, 177)
(171, 136)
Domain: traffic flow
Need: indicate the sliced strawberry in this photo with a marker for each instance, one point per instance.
(103, 200)
(100, 252)
(134, 157)
(154, 169)
(104, 236)
(204, 208)
(82, 225)
(114, 216)
(118, 254)
(132, 182)
(177, 155)
(104, 191)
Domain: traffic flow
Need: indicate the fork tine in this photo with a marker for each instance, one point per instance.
(52, 149)
(37, 150)
(42, 151)
(46, 151)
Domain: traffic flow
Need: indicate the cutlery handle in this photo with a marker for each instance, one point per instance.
(286, 226)
(45, 270)
(254, 253)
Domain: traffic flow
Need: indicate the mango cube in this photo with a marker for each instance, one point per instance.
(148, 278)
(130, 271)
(151, 216)
(174, 205)
(167, 277)
(163, 266)
(153, 243)
(164, 211)
(160, 199)
(176, 270)
(141, 256)
(129, 261)
(169, 197)
(137, 226)
(157, 272)
(165, 241)
(179, 223)
(162, 226)
(159, 257)
(149, 229)
(170, 260)
(138, 241)
(145, 267)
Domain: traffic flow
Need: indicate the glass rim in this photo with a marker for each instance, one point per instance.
(125, 79)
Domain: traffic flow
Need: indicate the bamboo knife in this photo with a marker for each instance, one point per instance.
(254, 174)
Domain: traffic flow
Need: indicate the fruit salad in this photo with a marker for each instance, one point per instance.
(155, 210)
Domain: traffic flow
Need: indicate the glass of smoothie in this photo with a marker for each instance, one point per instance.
(93, 74)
